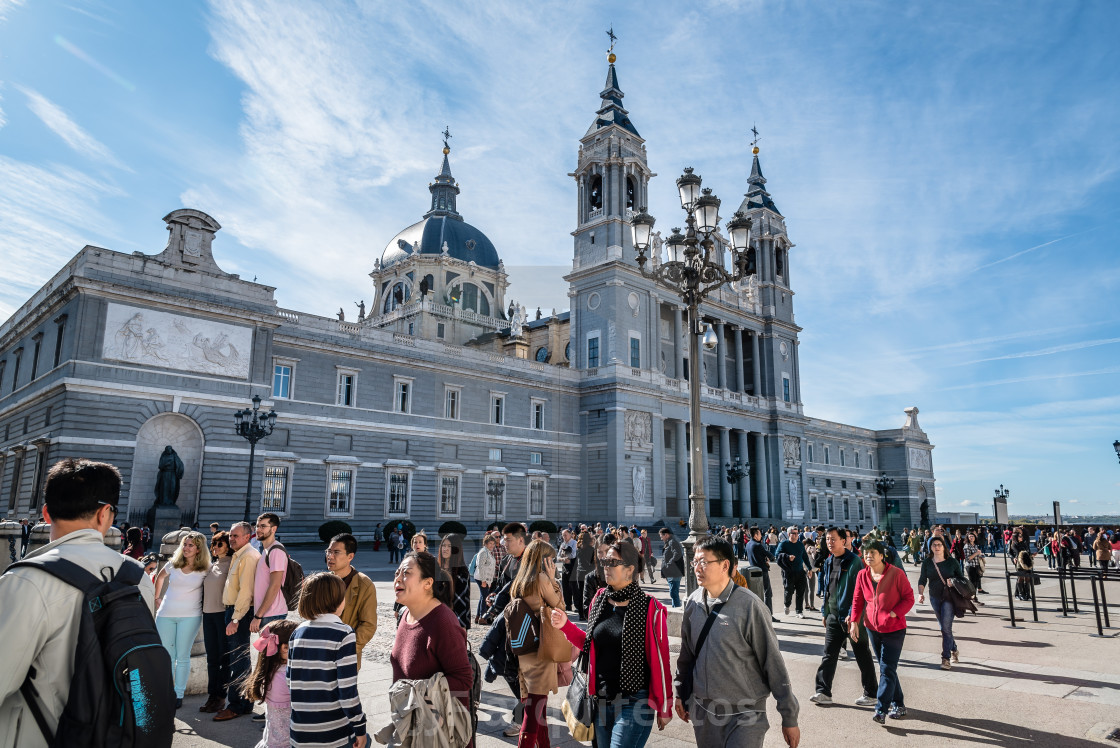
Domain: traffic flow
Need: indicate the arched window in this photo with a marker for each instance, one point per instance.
(396, 296)
(471, 298)
(631, 192)
(595, 193)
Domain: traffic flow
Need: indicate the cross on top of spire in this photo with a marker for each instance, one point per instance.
(446, 136)
(754, 143)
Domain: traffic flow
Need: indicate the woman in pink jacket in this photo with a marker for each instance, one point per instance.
(884, 594)
(627, 654)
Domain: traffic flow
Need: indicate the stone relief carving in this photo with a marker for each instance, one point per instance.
(792, 447)
(919, 459)
(795, 496)
(146, 336)
(639, 480)
(639, 427)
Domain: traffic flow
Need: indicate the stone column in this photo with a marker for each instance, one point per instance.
(759, 469)
(679, 438)
(744, 484)
(721, 357)
(737, 335)
(678, 343)
(756, 366)
(657, 468)
(725, 488)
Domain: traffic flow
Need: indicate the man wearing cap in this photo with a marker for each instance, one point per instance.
(793, 561)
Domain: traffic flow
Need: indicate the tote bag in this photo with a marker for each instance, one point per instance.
(577, 707)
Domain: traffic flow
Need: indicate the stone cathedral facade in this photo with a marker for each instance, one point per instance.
(445, 400)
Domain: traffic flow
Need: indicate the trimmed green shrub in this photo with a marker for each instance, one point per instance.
(329, 529)
(543, 525)
(409, 529)
(452, 526)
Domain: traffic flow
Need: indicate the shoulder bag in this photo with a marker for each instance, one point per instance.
(578, 708)
(687, 678)
(554, 646)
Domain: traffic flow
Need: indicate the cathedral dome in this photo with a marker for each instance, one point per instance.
(464, 242)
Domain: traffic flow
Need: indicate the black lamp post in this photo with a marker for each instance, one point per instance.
(253, 425)
(736, 471)
(1116, 446)
(494, 491)
(882, 485)
(693, 270)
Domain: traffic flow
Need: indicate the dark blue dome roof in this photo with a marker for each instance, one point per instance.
(464, 242)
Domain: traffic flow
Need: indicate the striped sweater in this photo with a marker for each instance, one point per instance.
(323, 679)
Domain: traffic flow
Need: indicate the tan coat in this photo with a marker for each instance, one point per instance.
(538, 676)
(360, 612)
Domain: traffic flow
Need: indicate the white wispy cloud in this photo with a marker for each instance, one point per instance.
(1064, 348)
(6, 6)
(62, 125)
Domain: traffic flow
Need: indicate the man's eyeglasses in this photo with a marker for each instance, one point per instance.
(111, 506)
(703, 563)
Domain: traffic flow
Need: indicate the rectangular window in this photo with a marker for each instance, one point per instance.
(60, 334)
(593, 352)
(785, 389)
(274, 490)
(828, 482)
(636, 353)
(857, 458)
(17, 478)
(826, 460)
(35, 355)
(810, 452)
(3, 366)
(870, 462)
(846, 511)
(859, 486)
(439, 330)
(497, 409)
(40, 477)
(495, 454)
(411, 328)
(536, 497)
(495, 497)
(341, 481)
(281, 381)
(841, 458)
(398, 493)
(15, 368)
(830, 511)
(345, 389)
(813, 508)
(860, 503)
(538, 414)
(449, 495)
(812, 481)
(451, 405)
(403, 401)
(843, 484)
(534, 458)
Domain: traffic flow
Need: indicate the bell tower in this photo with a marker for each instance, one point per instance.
(613, 177)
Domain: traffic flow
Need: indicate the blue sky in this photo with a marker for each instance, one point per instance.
(949, 173)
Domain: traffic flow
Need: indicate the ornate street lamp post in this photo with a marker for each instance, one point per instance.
(253, 425)
(1116, 446)
(494, 491)
(882, 485)
(736, 471)
(693, 270)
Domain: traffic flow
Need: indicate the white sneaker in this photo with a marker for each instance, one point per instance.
(843, 654)
(820, 698)
(787, 610)
(866, 701)
(800, 615)
(512, 731)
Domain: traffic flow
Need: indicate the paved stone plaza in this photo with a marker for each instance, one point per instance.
(1044, 684)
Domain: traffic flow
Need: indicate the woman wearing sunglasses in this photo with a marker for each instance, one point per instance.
(627, 654)
(214, 623)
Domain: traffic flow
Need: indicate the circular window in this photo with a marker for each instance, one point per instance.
(542, 354)
(593, 300)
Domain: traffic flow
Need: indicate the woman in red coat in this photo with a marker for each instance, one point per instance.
(884, 594)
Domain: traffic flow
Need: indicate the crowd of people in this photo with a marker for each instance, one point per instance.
(240, 586)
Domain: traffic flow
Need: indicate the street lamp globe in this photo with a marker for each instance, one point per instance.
(739, 228)
(1116, 446)
(688, 184)
(675, 245)
(642, 227)
(710, 339)
(707, 212)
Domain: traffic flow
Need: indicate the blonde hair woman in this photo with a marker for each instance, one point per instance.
(179, 604)
(536, 584)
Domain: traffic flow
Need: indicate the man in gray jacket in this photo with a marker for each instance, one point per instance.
(81, 502)
(737, 666)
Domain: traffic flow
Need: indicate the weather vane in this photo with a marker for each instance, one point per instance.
(446, 137)
(612, 37)
(754, 143)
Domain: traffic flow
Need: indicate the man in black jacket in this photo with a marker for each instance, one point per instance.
(839, 572)
(672, 564)
(759, 555)
(514, 540)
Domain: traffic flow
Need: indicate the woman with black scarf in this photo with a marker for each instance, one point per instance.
(627, 648)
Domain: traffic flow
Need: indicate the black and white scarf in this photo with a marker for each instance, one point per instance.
(631, 678)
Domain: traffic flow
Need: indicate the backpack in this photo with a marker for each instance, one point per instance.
(122, 693)
(523, 627)
(293, 578)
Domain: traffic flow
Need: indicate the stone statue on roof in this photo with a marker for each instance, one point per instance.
(517, 320)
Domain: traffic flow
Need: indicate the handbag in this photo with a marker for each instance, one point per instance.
(554, 646)
(983, 566)
(578, 708)
(687, 677)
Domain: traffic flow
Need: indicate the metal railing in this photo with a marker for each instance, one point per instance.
(1096, 578)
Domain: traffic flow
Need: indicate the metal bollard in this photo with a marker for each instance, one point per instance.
(1096, 606)
(1010, 599)
(1062, 587)
(1104, 603)
(1073, 590)
(1034, 596)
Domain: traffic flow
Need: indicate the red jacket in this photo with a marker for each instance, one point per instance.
(657, 654)
(893, 595)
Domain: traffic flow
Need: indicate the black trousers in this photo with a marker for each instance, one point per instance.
(975, 577)
(768, 591)
(568, 588)
(796, 583)
(217, 658)
(835, 634)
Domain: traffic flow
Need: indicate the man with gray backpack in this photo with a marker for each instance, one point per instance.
(83, 660)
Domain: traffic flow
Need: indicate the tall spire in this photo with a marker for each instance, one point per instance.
(444, 189)
(757, 196)
(612, 112)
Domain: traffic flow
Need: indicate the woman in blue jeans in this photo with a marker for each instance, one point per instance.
(940, 568)
(179, 605)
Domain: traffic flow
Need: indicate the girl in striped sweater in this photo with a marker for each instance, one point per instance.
(323, 670)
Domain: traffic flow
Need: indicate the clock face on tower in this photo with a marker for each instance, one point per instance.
(542, 354)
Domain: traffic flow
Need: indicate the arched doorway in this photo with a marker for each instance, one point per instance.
(159, 431)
